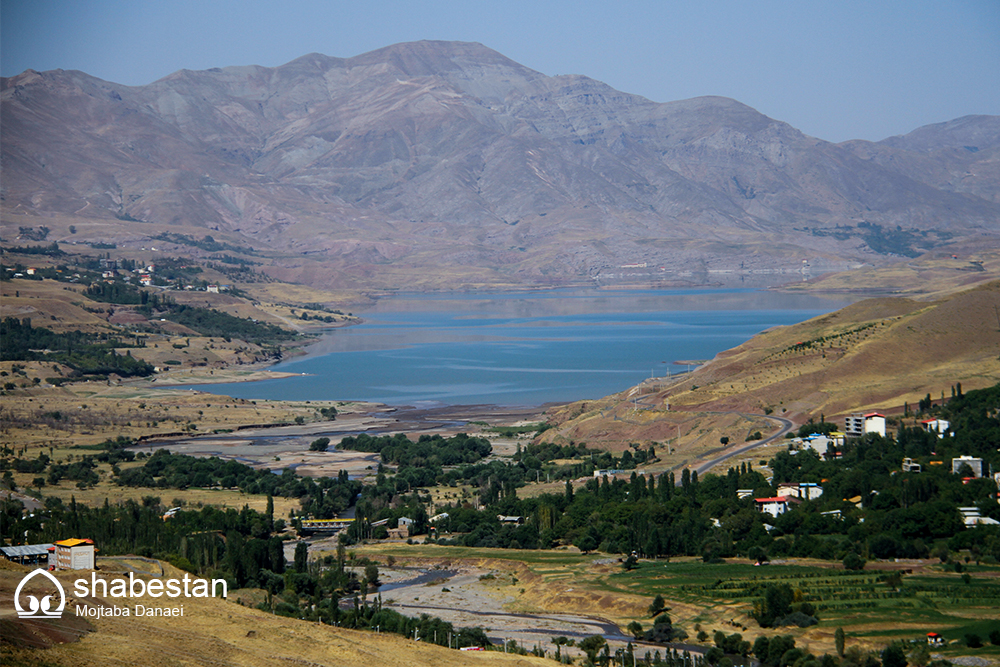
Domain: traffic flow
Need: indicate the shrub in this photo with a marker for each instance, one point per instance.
(852, 561)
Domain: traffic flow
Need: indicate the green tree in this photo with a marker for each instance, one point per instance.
(852, 561)
(657, 606)
(319, 444)
(839, 639)
(371, 574)
(592, 645)
(301, 557)
(893, 656)
(585, 543)
(920, 656)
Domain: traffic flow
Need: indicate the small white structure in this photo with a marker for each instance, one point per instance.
(826, 445)
(607, 473)
(801, 490)
(972, 517)
(910, 466)
(975, 464)
(744, 493)
(75, 554)
(939, 426)
(214, 289)
(774, 506)
(510, 519)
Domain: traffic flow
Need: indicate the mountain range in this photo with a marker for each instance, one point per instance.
(433, 164)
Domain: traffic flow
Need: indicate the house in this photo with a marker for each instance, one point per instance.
(145, 279)
(910, 466)
(939, 426)
(934, 639)
(972, 517)
(214, 289)
(510, 519)
(775, 506)
(744, 493)
(606, 473)
(976, 465)
(875, 423)
(402, 529)
(821, 444)
(803, 490)
(74, 554)
(857, 424)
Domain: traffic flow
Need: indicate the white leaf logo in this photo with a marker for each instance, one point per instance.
(39, 608)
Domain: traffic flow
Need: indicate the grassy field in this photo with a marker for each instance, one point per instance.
(720, 596)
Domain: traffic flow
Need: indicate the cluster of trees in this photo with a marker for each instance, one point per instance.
(321, 497)
(428, 450)
(241, 546)
(51, 250)
(88, 354)
(534, 455)
(902, 514)
(210, 322)
(207, 243)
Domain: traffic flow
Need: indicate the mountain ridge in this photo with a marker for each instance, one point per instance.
(451, 153)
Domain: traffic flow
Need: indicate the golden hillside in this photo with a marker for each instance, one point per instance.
(874, 354)
(211, 632)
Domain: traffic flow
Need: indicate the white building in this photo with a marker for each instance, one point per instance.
(803, 490)
(826, 445)
(939, 426)
(858, 424)
(875, 423)
(972, 517)
(775, 506)
(75, 554)
(975, 464)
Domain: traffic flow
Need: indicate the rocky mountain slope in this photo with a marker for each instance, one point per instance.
(446, 163)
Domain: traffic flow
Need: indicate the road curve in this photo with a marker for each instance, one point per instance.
(786, 426)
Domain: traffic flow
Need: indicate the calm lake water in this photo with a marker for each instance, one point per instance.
(524, 348)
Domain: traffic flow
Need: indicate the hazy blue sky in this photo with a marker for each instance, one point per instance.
(837, 70)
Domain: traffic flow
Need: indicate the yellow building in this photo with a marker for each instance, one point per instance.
(75, 554)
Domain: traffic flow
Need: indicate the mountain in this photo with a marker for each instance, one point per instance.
(446, 163)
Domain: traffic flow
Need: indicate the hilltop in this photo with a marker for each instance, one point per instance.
(876, 354)
(445, 164)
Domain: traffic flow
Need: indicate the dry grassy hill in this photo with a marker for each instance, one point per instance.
(211, 632)
(875, 354)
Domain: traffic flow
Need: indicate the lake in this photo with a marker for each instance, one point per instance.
(524, 348)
